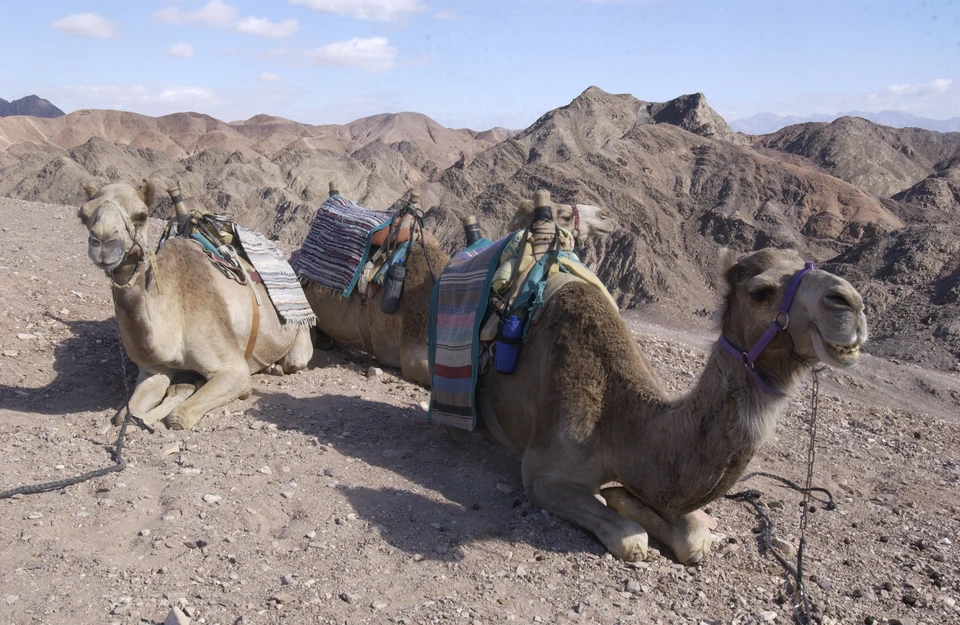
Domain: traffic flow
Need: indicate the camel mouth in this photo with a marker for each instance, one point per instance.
(836, 354)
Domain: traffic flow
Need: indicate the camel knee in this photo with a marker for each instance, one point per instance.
(300, 353)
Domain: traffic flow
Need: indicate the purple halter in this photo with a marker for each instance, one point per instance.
(749, 358)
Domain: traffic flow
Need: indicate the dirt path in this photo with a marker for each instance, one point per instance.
(327, 498)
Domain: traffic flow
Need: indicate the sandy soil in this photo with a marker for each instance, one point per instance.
(327, 498)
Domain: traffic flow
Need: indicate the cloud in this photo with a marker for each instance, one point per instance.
(219, 14)
(137, 98)
(445, 15)
(181, 50)
(371, 55)
(87, 25)
(377, 10)
(268, 77)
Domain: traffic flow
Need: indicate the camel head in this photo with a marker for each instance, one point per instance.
(115, 215)
(826, 320)
(594, 221)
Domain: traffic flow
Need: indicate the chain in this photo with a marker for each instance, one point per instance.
(802, 612)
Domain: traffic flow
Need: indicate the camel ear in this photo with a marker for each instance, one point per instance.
(148, 193)
(726, 260)
(86, 212)
(90, 190)
(523, 216)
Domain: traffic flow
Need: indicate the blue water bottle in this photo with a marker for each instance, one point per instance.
(508, 345)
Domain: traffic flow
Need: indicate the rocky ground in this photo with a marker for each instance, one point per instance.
(327, 498)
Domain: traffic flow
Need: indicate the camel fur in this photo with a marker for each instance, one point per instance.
(400, 340)
(178, 313)
(585, 408)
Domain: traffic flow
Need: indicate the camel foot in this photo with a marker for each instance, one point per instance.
(693, 538)
(631, 548)
(177, 421)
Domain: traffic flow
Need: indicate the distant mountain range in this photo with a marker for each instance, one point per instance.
(765, 123)
(32, 105)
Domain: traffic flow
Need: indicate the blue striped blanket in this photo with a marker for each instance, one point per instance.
(337, 246)
(457, 308)
(278, 277)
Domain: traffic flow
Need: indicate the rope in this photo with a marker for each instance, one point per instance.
(116, 452)
(802, 614)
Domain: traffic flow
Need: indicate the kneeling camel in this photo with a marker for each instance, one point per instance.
(180, 313)
(585, 408)
(400, 340)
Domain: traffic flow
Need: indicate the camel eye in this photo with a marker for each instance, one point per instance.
(763, 294)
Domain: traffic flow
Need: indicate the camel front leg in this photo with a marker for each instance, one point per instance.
(148, 393)
(687, 535)
(223, 387)
(578, 504)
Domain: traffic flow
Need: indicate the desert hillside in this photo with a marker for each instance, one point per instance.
(681, 182)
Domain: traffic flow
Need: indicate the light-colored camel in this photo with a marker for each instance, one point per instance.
(179, 313)
(400, 340)
(585, 408)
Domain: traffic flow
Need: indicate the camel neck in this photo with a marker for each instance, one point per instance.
(702, 442)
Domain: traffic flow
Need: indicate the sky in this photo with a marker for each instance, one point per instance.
(480, 63)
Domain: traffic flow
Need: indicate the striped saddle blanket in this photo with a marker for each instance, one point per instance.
(277, 276)
(337, 246)
(457, 308)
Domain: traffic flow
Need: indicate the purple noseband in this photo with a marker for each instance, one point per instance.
(749, 358)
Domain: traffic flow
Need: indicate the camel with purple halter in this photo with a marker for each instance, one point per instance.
(178, 313)
(400, 340)
(585, 408)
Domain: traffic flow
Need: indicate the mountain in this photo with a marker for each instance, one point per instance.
(765, 123)
(850, 194)
(31, 105)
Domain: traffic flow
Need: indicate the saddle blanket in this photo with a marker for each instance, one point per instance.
(457, 307)
(336, 248)
(277, 276)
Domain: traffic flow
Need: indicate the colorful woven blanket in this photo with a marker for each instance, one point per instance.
(337, 246)
(278, 277)
(457, 307)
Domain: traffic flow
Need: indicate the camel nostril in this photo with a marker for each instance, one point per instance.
(843, 299)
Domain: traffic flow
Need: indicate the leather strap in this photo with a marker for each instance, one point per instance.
(255, 320)
(365, 329)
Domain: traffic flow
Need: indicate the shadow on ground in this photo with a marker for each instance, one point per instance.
(89, 373)
(447, 495)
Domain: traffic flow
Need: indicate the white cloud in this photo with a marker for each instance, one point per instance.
(219, 14)
(265, 28)
(445, 15)
(371, 55)
(268, 77)
(181, 50)
(378, 10)
(87, 25)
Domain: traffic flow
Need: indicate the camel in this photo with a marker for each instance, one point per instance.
(400, 340)
(178, 313)
(585, 408)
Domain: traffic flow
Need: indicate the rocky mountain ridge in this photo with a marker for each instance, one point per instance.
(31, 105)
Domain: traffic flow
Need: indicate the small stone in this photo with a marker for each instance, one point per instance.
(328, 472)
(783, 546)
(287, 494)
(504, 488)
(212, 499)
(374, 372)
(11, 353)
(282, 598)
(397, 453)
(33, 516)
(265, 470)
(143, 532)
(768, 616)
(633, 586)
(417, 557)
(424, 406)
(288, 580)
(949, 602)
(349, 598)
(169, 451)
(521, 571)
(23, 336)
(11, 599)
(176, 617)
(310, 535)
